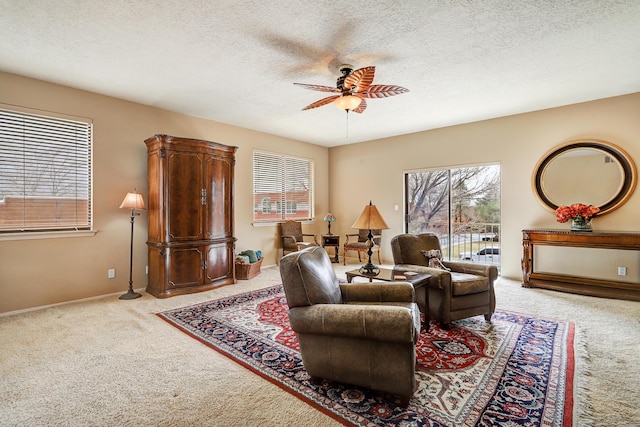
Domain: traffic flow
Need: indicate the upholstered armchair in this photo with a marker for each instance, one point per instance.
(358, 242)
(293, 237)
(464, 291)
(355, 333)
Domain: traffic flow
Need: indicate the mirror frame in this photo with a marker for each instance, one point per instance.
(625, 161)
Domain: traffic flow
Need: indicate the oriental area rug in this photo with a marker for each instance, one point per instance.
(516, 371)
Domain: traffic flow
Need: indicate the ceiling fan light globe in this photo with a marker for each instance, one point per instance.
(348, 102)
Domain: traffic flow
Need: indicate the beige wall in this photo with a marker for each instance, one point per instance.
(40, 272)
(48, 271)
(374, 170)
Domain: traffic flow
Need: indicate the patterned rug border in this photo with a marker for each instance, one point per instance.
(230, 356)
(568, 416)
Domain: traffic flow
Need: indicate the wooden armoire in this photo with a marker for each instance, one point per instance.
(190, 207)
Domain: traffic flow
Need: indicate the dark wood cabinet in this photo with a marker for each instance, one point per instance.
(191, 242)
(332, 240)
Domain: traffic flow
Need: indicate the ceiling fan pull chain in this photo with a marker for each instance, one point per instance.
(347, 124)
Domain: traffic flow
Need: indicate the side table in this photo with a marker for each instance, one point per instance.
(332, 240)
(420, 282)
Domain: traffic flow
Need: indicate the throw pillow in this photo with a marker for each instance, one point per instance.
(434, 256)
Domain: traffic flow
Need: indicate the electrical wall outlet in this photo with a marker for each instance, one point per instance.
(111, 273)
(146, 270)
(622, 271)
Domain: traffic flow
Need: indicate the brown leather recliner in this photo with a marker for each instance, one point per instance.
(356, 333)
(465, 291)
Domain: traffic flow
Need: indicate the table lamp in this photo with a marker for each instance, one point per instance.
(329, 218)
(370, 219)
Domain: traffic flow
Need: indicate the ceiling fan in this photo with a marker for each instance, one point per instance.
(353, 86)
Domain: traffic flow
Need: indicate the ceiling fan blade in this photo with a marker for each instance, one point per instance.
(383, 91)
(319, 88)
(360, 79)
(360, 108)
(320, 103)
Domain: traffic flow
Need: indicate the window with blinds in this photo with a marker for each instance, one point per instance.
(282, 187)
(45, 173)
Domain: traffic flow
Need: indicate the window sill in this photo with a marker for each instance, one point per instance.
(47, 235)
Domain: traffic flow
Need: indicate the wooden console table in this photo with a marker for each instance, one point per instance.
(575, 284)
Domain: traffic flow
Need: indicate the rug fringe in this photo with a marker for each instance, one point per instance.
(582, 408)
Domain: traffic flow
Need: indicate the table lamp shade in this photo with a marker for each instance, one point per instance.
(132, 201)
(370, 219)
(329, 217)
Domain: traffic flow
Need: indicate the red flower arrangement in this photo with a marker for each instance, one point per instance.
(565, 213)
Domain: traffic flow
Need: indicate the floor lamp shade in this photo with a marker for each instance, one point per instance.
(370, 219)
(132, 201)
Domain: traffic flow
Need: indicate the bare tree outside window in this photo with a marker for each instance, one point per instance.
(460, 205)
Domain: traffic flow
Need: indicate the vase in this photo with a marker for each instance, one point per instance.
(580, 223)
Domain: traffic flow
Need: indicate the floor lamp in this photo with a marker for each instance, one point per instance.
(132, 201)
(370, 219)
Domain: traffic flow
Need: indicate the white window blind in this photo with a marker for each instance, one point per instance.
(282, 187)
(45, 173)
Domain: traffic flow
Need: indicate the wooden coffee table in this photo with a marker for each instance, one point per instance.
(420, 282)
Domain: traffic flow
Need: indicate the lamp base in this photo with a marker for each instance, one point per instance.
(369, 269)
(130, 295)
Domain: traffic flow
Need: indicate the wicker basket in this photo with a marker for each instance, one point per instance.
(245, 271)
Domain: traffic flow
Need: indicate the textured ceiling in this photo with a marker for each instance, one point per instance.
(236, 61)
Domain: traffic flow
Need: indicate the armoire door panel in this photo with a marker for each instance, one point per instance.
(219, 262)
(218, 175)
(155, 278)
(184, 201)
(185, 267)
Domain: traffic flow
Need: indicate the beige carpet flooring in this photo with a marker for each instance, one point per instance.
(107, 362)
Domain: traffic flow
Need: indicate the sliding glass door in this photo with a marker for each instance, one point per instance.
(461, 206)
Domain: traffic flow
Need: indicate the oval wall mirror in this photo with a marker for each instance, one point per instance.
(592, 172)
